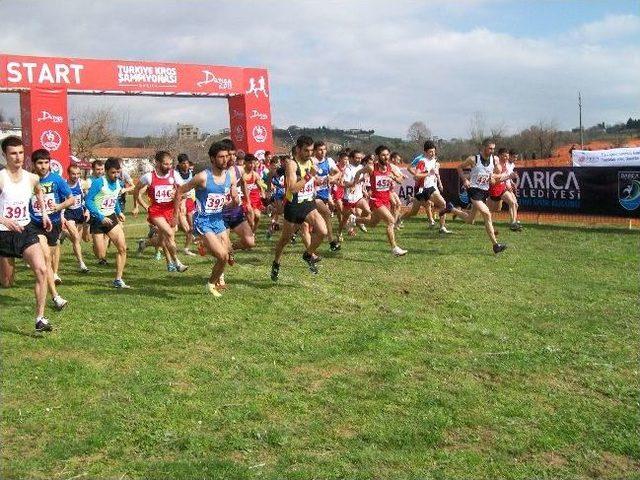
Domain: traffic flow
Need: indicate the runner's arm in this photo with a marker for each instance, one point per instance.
(290, 178)
(468, 163)
(91, 196)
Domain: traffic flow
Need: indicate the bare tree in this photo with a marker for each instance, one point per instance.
(418, 132)
(92, 128)
(541, 138)
(477, 128)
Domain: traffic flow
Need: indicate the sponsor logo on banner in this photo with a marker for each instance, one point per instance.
(629, 189)
(43, 73)
(141, 75)
(51, 140)
(259, 133)
(259, 155)
(55, 166)
(258, 115)
(45, 116)
(238, 133)
(549, 188)
(237, 114)
(257, 87)
(209, 77)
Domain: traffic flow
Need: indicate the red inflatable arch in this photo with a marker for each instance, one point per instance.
(45, 82)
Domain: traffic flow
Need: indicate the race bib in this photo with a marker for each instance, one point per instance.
(164, 193)
(307, 191)
(49, 203)
(17, 211)
(77, 202)
(382, 184)
(214, 203)
(108, 205)
(483, 179)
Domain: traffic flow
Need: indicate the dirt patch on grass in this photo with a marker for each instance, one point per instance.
(613, 465)
(476, 439)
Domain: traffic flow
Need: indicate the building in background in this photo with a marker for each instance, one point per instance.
(187, 131)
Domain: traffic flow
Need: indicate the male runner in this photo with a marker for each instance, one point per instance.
(427, 179)
(213, 187)
(381, 180)
(75, 215)
(188, 205)
(498, 191)
(354, 201)
(416, 186)
(326, 173)
(253, 181)
(337, 189)
(103, 205)
(483, 172)
(300, 206)
(16, 241)
(161, 184)
(57, 197)
(396, 204)
(275, 180)
(97, 171)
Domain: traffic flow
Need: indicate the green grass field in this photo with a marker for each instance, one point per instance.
(447, 363)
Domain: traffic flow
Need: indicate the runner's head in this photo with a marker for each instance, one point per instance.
(488, 146)
(503, 154)
(367, 161)
(343, 158)
(183, 162)
(13, 151)
(231, 148)
(396, 158)
(239, 156)
(112, 168)
(304, 148)
(250, 163)
(319, 150)
(267, 157)
(40, 162)
(356, 156)
(219, 155)
(97, 168)
(164, 162)
(73, 172)
(429, 149)
(383, 154)
(513, 155)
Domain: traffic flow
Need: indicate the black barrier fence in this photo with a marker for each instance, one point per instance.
(610, 191)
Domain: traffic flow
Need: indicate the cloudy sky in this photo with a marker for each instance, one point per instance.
(368, 64)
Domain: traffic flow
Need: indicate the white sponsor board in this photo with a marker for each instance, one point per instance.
(615, 157)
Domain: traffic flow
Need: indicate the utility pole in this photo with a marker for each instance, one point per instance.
(581, 130)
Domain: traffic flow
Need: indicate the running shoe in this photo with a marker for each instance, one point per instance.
(334, 246)
(84, 269)
(43, 325)
(59, 303)
(189, 253)
(445, 231)
(499, 247)
(102, 262)
(211, 288)
(171, 267)
(316, 258)
(142, 243)
(181, 268)
(398, 252)
(363, 228)
(311, 262)
(275, 271)
(340, 238)
(119, 283)
(158, 256)
(432, 224)
(515, 227)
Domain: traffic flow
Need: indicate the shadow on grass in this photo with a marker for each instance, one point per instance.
(15, 331)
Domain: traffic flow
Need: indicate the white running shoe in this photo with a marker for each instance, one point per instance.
(398, 252)
(363, 228)
(181, 267)
(190, 253)
(59, 303)
(444, 230)
(351, 222)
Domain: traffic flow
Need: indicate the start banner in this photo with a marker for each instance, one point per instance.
(615, 157)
